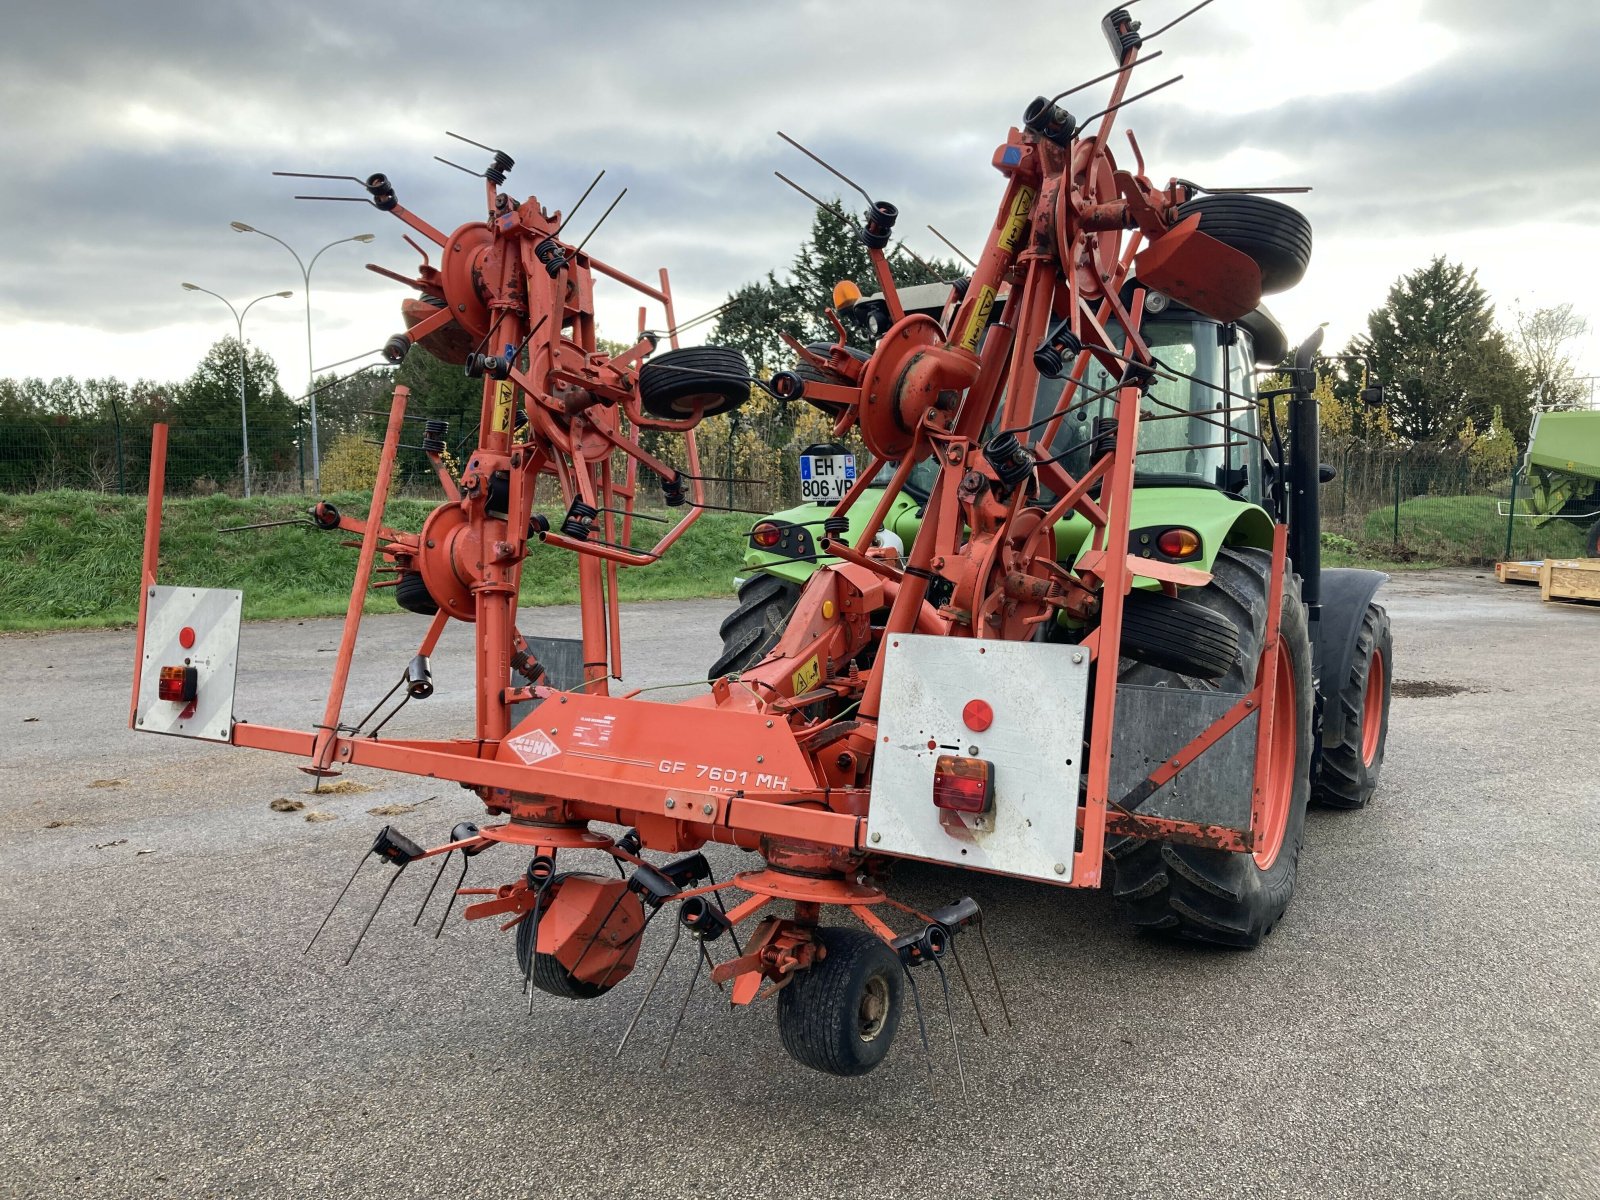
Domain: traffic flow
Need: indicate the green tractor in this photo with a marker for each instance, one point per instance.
(1207, 489)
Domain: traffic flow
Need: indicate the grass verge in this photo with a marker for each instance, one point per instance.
(71, 559)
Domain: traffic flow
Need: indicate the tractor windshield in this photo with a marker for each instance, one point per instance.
(1190, 433)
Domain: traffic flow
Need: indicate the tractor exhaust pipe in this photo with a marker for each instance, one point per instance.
(1305, 484)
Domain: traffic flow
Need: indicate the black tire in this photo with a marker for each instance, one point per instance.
(548, 974)
(1276, 236)
(698, 379)
(1196, 894)
(839, 1015)
(1346, 779)
(751, 630)
(1178, 635)
(412, 594)
(1591, 541)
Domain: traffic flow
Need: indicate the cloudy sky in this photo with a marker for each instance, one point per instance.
(134, 133)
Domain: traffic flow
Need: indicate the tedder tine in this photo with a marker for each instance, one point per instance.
(967, 983)
(950, 1011)
(922, 1024)
(451, 903)
(994, 974)
(388, 887)
(694, 977)
(336, 900)
(436, 877)
(677, 932)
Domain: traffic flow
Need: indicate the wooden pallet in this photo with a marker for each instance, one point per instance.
(1570, 579)
(1518, 572)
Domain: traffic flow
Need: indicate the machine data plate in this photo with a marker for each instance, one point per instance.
(1038, 695)
(211, 615)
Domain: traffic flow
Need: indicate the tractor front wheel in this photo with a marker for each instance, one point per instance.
(1205, 895)
(751, 630)
(1349, 773)
(839, 1015)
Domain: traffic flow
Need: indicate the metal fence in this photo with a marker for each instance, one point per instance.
(1410, 503)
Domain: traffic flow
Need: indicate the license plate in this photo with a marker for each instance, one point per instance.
(826, 476)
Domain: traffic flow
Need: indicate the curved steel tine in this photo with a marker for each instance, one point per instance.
(967, 983)
(437, 875)
(994, 974)
(922, 1025)
(677, 932)
(399, 871)
(336, 900)
(454, 892)
(672, 1038)
(950, 1011)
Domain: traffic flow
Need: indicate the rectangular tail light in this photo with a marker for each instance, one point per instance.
(963, 785)
(178, 684)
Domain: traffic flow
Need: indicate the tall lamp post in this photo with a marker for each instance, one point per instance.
(238, 319)
(305, 274)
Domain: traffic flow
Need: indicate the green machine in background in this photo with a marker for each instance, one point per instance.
(1562, 470)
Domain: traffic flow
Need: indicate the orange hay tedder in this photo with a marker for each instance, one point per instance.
(958, 702)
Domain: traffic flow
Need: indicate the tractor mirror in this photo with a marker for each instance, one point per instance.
(1372, 395)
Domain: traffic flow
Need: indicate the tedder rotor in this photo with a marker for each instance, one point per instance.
(957, 704)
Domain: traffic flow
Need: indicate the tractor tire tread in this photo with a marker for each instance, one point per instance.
(816, 1010)
(1344, 779)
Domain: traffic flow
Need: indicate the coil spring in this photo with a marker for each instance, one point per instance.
(672, 491)
(550, 254)
(835, 527)
(1009, 458)
(579, 521)
(1105, 437)
(433, 435)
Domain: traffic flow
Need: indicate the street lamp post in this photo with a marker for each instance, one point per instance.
(238, 318)
(305, 274)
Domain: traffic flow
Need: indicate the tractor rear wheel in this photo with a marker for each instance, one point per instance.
(1199, 894)
(751, 630)
(839, 1015)
(1349, 773)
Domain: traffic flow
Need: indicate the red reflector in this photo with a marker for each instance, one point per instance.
(964, 785)
(186, 637)
(765, 535)
(1179, 543)
(178, 684)
(978, 715)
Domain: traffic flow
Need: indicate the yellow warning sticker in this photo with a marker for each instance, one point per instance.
(808, 676)
(1011, 234)
(505, 400)
(979, 321)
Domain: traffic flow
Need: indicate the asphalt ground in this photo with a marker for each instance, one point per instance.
(1423, 1022)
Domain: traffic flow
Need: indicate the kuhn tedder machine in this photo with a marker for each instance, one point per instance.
(1046, 684)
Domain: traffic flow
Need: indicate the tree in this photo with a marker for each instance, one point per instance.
(759, 313)
(1541, 338)
(205, 414)
(1442, 361)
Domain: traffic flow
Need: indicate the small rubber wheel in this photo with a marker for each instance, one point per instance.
(695, 381)
(548, 974)
(1276, 236)
(1178, 635)
(765, 605)
(812, 374)
(840, 1014)
(412, 594)
(1348, 773)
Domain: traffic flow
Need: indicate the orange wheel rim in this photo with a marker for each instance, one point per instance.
(1372, 710)
(1280, 763)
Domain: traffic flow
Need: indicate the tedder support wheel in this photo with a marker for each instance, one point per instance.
(1276, 236)
(1349, 773)
(411, 593)
(704, 380)
(548, 974)
(751, 630)
(839, 1014)
(1198, 894)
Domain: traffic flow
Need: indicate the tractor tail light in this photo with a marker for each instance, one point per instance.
(178, 684)
(765, 535)
(963, 785)
(1179, 543)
